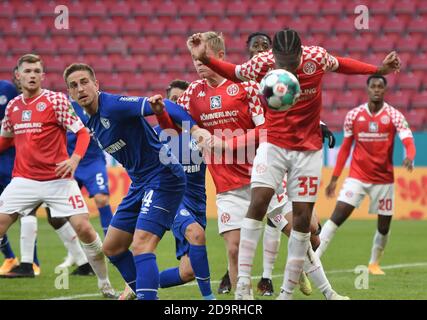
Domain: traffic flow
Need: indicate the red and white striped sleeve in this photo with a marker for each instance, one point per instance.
(252, 89)
(400, 123)
(185, 98)
(349, 120)
(64, 112)
(256, 68)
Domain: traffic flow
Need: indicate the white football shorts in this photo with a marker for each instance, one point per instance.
(303, 168)
(381, 196)
(233, 206)
(62, 196)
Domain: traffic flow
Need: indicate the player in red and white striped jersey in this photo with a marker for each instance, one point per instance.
(36, 122)
(294, 139)
(372, 127)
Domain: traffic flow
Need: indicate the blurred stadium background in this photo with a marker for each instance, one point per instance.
(138, 47)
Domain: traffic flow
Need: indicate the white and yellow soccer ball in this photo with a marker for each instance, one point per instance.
(281, 89)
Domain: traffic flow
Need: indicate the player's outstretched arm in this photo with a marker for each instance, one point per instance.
(342, 157)
(67, 167)
(163, 108)
(391, 63)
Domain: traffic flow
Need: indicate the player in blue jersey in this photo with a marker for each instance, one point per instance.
(8, 91)
(118, 124)
(190, 220)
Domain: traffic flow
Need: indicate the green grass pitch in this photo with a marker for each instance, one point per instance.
(405, 263)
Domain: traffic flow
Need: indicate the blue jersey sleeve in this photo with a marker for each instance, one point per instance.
(7, 92)
(176, 112)
(123, 107)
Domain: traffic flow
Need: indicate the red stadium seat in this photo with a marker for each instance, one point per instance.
(54, 64)
(248, 26)
(415, 120)
(117, 46)
(357, 82)
(284, 9)
(300, 25)
(167, 9)
(419, 62)
(334, 81)
(422, 7)
(308, 8)
(334, 119)
(142, 9)
(139, 46)
(321, 25)
(347, 100)
(409, 81)
(404, 7)
(69, 46)
(417, 25)
(161, 83)
(335, 45)
(164, 45)
(93, 46)
(85, 27)
(227, 26)
(399, 99)
(176, 64)
(200, 25)
(191, 10)
(395, 25)
(45, 47)
(106, 27)
(381, 7)
(6, 9)
(96, 9)
(345, 26)
(12, 28)
(119, 9)
(383, 44)
(419, 100)
(409, 44)
(130, 27)
(151, 64)
(271, 26)
(329, 8)
(328, 100)
(77, 9)
(237, 9)
(136, 82)
(235, 44)
(359, 44)
(114, 83)
(37, 28)
(153, 27)
(101, 64)
(8, 64)
(177, 26)
(22, 46)
(260, 8)
(213, 9)
(26, 9)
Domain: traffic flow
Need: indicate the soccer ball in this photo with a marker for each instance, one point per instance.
(281, 89)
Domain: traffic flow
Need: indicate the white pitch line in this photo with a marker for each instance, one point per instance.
(194, 283)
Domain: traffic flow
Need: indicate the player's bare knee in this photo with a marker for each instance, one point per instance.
(195, 234)
(233, 251)
(101, 200)
(144, 242)
(57, 223)
(186, 274)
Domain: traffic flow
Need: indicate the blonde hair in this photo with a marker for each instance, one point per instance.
(215, 41)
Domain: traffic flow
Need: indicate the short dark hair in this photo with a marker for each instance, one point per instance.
(30, 58)
(287, 42)
(177, 83)
(256, 34)
(376, 76)
(78, 67)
